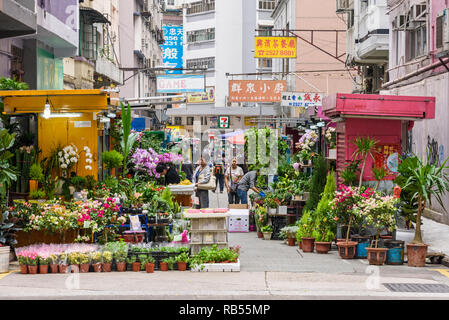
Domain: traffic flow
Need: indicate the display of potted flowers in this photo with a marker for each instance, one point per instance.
(182, 260)
(305, 230)
(120, 259)
(331, 138)
(107, 261)
(272, 203)
(43, 264)
(32, 261)
(97, 260)
(84, 262)
(267, 231)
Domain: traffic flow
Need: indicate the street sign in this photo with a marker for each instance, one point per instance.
(301, 99)
(223, 122)
(275, 47)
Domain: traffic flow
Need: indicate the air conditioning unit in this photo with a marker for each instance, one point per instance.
(344, 5)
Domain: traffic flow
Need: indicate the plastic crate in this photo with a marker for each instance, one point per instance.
(238, 223)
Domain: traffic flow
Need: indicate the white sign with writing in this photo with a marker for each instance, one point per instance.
(82, 124)
(301, 99)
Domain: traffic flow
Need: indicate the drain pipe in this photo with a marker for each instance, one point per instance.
(417, 72)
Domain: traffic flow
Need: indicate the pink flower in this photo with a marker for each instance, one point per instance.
(106, 205)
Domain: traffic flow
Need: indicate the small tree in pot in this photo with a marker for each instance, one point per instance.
(267, 232)
(305, 230)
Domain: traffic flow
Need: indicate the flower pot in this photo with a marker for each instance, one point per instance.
(347, 249)
(164, 266)
(33, 185)
(282, 209)
(32, 269)
(307, 244)
(107, 267)
(43, 268)
(322, 247)
(182, 266)
(267, 235)
(300, 244)
(23, 269)
(63, 268)
(54, 268)
(376, 256)
(136, 266)
(259, 234)
(149, 267)
(272, 210)
(416, 254)
(84, 267)
(97, 267)
(121, 266)
(291, 241)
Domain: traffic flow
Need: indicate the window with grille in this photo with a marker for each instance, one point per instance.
(200, 35)
(265, 63)
(416, 42)
(201, 6)
(208, 63)
(267, 4)
(439, 32)
(88, 40)
(265, 31)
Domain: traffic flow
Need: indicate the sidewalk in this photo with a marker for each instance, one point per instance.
(436, 235)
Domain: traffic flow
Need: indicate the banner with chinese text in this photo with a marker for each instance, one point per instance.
(275, 47)
(172, 49)
(256, 90)
(302, 99)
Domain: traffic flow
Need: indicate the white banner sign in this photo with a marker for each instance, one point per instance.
(301, 99)
(180, 83)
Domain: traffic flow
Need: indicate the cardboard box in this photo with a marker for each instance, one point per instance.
(238, 206)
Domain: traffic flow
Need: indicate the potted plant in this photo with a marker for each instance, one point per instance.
(135, 264)
(79, 183)
(164, 264)
(74, 261)
(170, 262)
(323, 239)
(62, 263)
(38, 195)
(267, 232)
(84, 262)
(36, 175)
(43, 264)
(23, 262)
(182, 260)
(32, 262)
(272, 203)
(97, 260)
(107, 261)
(143, 259)
(290, 231)
(261, 217)
(423, 181)
(54, 258)
(112, 159)
(120, 259)
(305, 229)
(149, 265)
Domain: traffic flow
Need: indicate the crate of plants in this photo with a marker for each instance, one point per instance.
(216, 260)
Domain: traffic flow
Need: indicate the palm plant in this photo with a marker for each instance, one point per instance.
(424, 181)
(365, 147)
(379, 174)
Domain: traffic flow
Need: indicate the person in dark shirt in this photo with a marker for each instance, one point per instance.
(170, 173)
(188, 169)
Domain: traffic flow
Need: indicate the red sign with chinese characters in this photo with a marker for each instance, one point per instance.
(387, 156)
(256, 90)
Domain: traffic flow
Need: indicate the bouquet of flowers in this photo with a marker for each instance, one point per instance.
(307, 141)
(331, 137)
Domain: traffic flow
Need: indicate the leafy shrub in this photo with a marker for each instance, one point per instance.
(36, 172)
(112, 159)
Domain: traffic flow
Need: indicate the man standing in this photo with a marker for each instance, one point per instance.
(219, 175)
(247, 182)
(232, 177)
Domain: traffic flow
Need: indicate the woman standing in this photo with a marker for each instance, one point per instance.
(202, 175)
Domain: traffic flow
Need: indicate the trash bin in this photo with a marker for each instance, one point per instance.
(362, 244)
(395, 254)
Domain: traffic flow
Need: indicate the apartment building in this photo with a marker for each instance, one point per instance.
(418, 66)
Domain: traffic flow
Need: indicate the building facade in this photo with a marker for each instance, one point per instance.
(418, 66)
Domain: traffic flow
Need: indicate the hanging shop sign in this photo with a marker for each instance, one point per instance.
(223, 122)
(202, 97)
(180, 83)
(172, 49)
(256, 90)
(275, 47)
(301, 99)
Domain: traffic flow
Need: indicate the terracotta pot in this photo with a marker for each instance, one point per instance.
(32, 269)
(54, 268)
(376, 256)
(43, 268)
(107, 267)
(121, 266)
(307, 244)
(416, 254)
(136, 266)
(63, 268)
(347, 249)
(164, 266)
(322, 247)
(291, 241)
(300, 244)
(97, 267)
(33, 185)
(74, 268)
(259, 234)
(84, 267)
(182, 266)
(149, 267)
(23, 269)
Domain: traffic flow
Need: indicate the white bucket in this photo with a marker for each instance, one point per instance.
(4, 259)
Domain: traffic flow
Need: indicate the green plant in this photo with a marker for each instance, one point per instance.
(305, 225)
(267, 229)
(37, 194)
(131, 259)
(150, 259)
(7, 229)
(143, 259)
(8, 174)
(78, 182)
(96, 257)
(112, 159)
(74, 258)
(379, 174)
(183, 257)
(290, 231)
(365, 146)
(107, 256)
(36, 172)
(44, 261)
(84, 258)
(318, 182)
(170, 262)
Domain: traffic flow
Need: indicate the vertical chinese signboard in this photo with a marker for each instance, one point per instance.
(256, 90)
(275, 47)
(172, 48)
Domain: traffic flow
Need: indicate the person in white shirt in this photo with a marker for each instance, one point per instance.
(232, 176)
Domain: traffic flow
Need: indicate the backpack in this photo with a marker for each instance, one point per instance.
(218, 169)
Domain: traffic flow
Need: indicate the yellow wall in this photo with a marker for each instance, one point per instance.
(63, 131)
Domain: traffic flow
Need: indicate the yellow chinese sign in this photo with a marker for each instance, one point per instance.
(275, 47)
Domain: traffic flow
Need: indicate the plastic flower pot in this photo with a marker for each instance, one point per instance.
(136, 266)
(43, 268)
(322, 247)
(84, 267)
(259, 234)
(416, 254)
(54, 268)
(63, 268)
(307, 244)
(97, 267)
(182, 266)
(149, 267)
(107, 267)
(291, 242)
(121, 266)
(74, 268)
(164, 266)
(346, 250)
(32, 269)
(23, 269)
(267, 235)
(376, 256)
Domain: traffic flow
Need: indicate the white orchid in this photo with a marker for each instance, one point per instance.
(88, 160)
(88, 167)
(89, 155)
